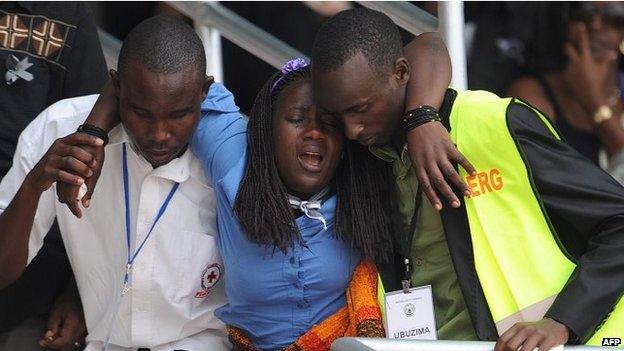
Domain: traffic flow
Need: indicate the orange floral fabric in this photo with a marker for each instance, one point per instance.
(360, 317)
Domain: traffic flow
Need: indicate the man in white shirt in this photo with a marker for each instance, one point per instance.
(155, 282)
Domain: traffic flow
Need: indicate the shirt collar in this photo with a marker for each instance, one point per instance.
(385, 152)
(117, 135)
(178, 170)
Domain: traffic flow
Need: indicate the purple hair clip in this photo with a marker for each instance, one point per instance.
(290, 66)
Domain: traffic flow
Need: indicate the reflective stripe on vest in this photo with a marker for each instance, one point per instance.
(520, 263)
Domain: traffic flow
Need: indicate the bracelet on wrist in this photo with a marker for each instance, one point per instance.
(95, 131)
(419, 116)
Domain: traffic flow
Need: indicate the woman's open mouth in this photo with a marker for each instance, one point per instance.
(311, 161)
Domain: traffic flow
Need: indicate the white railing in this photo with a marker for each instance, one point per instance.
(110, 47)
(375, 344)
(239, 31)
(211, 39)
(213, 20)
(451, 17)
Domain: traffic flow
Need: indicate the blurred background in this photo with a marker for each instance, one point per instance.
(501, 41)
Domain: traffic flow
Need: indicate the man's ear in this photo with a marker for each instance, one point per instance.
(401, 71)
(206, 86)
(114, 77)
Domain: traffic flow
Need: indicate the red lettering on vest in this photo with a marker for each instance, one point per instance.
(485, 182)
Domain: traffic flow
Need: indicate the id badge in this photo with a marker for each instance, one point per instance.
(410, 315)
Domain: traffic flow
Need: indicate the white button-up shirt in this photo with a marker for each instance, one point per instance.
(177, 278)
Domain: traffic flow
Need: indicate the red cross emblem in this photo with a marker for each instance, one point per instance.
(210, 277)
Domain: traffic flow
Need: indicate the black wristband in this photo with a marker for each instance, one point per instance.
(419, 116)
(95, 131)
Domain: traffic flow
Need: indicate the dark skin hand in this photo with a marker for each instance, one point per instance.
(595, 70)
(106, 109)
(431, 150)
(66, 324)
(65, 162)
(527, 336)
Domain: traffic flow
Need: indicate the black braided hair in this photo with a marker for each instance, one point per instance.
(361, 181)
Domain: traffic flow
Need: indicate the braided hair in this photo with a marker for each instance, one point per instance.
(361, 182)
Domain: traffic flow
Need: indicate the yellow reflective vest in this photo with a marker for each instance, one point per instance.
(520, 263)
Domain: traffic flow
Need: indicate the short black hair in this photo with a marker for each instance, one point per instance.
(163, 44)
(353, 31)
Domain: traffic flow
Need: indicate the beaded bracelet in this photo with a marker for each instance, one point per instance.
(419, 116)
(95, 131)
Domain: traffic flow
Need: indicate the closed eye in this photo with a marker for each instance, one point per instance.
(180, 113)
(140, 112)
(295, 119)
(361, 108)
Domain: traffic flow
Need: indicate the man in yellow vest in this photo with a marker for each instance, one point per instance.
(535, 256)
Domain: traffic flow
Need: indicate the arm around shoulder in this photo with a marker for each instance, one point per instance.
(219, 142)
(431, 71)
(429, 145)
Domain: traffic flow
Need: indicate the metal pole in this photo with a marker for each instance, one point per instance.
(239, 31)
(451, 20)
(212, 47)
(110, 47)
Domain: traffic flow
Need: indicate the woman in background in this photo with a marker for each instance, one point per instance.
(573, 60)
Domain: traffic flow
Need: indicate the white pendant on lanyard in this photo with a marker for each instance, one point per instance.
(131, 257)
(126, 286)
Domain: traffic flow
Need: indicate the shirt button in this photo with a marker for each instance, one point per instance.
(300, 274)
(419, 261)
(305, 287)
(292, 260)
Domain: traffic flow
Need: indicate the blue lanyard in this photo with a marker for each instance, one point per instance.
(162, 210)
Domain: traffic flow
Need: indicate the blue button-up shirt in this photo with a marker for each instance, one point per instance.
(275, 297)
